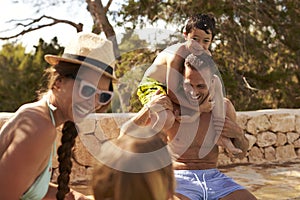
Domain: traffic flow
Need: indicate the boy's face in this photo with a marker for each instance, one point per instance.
(200, 37)
(196, 85)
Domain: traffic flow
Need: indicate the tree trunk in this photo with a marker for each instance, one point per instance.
(101, 23)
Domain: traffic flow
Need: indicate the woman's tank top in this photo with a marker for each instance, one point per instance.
(40, 186)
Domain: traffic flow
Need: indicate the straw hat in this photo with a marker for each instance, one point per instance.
(90, 50)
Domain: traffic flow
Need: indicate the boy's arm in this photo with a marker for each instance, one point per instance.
(175, 65)
(230, 129)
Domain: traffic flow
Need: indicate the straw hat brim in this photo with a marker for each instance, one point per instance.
(54, 60)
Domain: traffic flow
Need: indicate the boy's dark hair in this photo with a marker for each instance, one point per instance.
(204, 22)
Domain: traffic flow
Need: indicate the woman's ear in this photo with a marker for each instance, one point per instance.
(57, 84)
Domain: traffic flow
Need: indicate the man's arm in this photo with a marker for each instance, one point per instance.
(157, 113)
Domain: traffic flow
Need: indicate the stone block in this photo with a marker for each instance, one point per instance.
(285, 153)
(298, 153)
(281, 139)
(256, 155)
(297, 125)
(84, 150)
(291, 137)
(224, 159)
(79, 174)
(242, 120)
(252, 140)
(258, 124)
(297, 143)
(239, 161)
(270, 153)
(282, 122)
(251, 127)
(266, 139)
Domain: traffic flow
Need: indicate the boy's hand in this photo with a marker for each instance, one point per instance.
(195, 48)
(207, 105)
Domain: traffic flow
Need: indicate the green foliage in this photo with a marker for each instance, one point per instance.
(135, 59)
(132, 67)
(21, 73)
(257, 48)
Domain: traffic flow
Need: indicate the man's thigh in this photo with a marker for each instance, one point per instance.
(239, 195)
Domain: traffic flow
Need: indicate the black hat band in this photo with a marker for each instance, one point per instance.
(101, 65)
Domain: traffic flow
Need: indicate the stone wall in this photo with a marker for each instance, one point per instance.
(274, 136)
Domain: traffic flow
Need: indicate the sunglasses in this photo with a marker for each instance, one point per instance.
(87, 90)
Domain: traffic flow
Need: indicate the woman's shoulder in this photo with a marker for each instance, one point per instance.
(33, 118)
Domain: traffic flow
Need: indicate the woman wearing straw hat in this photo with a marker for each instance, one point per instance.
(80, 82)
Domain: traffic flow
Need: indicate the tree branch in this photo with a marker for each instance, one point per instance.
(78, 26)
(248, 85)
(107, 6)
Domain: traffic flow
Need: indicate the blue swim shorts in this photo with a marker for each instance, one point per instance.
(208, 184)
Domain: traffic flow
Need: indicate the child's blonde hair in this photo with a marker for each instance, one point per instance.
(116, 184)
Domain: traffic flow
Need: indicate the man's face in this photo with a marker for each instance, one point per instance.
(196, 85)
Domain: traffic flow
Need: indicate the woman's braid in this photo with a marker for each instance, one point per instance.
(69, 133)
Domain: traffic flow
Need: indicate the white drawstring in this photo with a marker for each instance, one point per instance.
(203, 186)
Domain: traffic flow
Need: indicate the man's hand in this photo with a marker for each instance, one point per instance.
(157, 113)
(161, 112)
(159, 102)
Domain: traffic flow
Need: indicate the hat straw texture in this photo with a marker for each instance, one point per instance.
(90, 50)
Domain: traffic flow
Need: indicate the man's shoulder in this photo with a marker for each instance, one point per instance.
(230, 109)
(227, 102)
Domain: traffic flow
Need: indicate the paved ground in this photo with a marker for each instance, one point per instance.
(269, 182)
(266, 182)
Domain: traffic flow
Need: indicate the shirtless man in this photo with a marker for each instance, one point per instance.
(164, 73)
(194, 147)
(193, 144)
